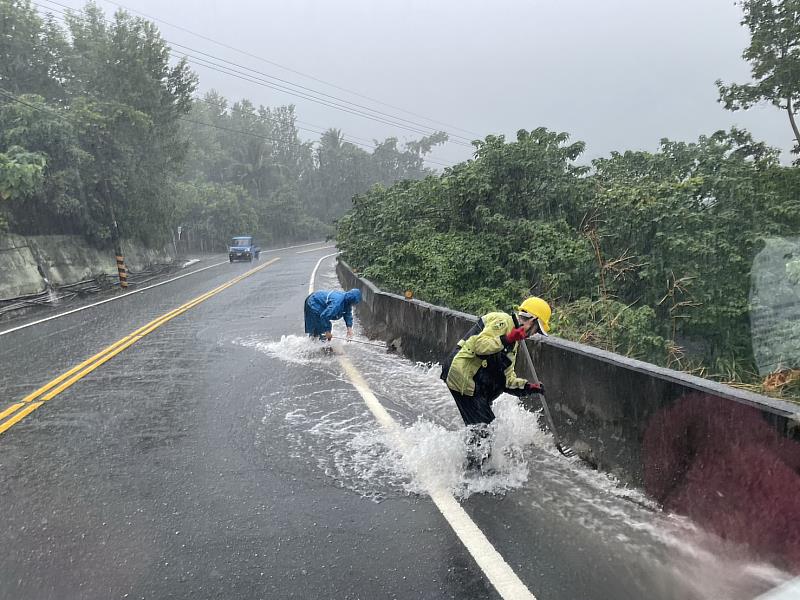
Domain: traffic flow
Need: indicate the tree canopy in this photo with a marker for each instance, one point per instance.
(774, 57)
(97, 119)
(645, 253)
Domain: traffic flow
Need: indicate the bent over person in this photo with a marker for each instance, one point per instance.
(324, 306)
(481, 367)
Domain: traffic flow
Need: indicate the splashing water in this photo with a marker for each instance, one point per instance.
(300, 350)
(435, 456)
(334, 427)
(352, 449)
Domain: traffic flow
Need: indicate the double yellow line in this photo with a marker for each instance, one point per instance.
(18, 411)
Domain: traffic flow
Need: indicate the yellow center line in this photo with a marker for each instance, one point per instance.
(88, 361)
(128, 341)
(20, 415)
(10, 410)
(78, 372)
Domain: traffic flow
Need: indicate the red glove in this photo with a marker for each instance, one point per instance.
(515, 335)
(534, 388)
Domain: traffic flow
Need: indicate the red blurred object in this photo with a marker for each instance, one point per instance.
(721, 464)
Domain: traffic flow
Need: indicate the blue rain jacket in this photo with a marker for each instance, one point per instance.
(324, 306)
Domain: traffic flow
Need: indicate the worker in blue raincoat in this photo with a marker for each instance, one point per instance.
(324, 306)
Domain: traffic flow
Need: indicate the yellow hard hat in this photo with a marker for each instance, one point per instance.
(536, 307)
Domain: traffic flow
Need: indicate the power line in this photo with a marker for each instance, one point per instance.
(264, 60)
(425, 128)
(185, 119)
(318, 129)
(347, 137)
(16, 99)
(257, 135)
(321, 130)
(379, 116)
(226, 70)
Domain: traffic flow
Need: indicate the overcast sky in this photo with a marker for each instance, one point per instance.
(617, 74)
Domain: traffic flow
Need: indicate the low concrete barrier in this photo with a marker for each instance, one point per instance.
(728, 458)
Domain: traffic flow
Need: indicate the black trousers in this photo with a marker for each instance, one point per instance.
(475, 409)
(490, 382)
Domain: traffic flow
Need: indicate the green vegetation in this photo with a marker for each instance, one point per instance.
(644, 253)
(647, 254)
(97, 124)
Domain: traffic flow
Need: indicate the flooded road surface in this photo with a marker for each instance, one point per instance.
(223, 455)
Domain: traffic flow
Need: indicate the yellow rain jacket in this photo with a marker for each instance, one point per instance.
(477, 352)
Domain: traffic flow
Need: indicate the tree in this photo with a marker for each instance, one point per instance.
(60, 204)
(774, 57)
(20, 172)
(31, 51)
(649, 255)
(483, 233)
(98, 124)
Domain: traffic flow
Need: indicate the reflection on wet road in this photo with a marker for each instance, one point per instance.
(224, 456)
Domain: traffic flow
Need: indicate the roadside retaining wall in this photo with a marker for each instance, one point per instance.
(728, 458)
(63, 259)
(19, 275)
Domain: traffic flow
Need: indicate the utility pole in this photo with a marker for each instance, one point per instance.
(121, 269)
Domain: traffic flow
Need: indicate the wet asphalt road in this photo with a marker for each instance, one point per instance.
(164, 474)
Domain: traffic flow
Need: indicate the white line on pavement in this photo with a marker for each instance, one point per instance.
(787, 591)
(496, 569)
(290, 247)
(120, 297)
(315, 249)
(314, 272)
(144, 289)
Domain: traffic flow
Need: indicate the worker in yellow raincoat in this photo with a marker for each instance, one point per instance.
(481, 367)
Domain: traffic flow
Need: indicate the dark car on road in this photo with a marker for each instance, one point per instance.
(243, 247)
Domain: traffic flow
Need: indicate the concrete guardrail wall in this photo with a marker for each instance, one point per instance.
(728, 458)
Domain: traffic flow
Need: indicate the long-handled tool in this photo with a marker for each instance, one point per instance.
(565, 450)
(377, 345)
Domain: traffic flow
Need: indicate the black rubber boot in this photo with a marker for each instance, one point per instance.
(478, 446)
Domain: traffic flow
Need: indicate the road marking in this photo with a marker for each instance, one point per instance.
(787, 591)
(139, 291)
(290, 247)
(10, 410)
(70, 377)
(119, 297)
(496, 569)
(314, 272)
(490, 561)
(19, 416)
(315, 249)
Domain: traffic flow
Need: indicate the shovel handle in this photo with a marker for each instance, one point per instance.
(545, 408)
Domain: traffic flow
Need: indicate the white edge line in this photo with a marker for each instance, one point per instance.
(314, 272)
(144, 289)
(489, 560)
(120, 297)
(290, 247)
(315, 249)
(787, 591)
(496, 569)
